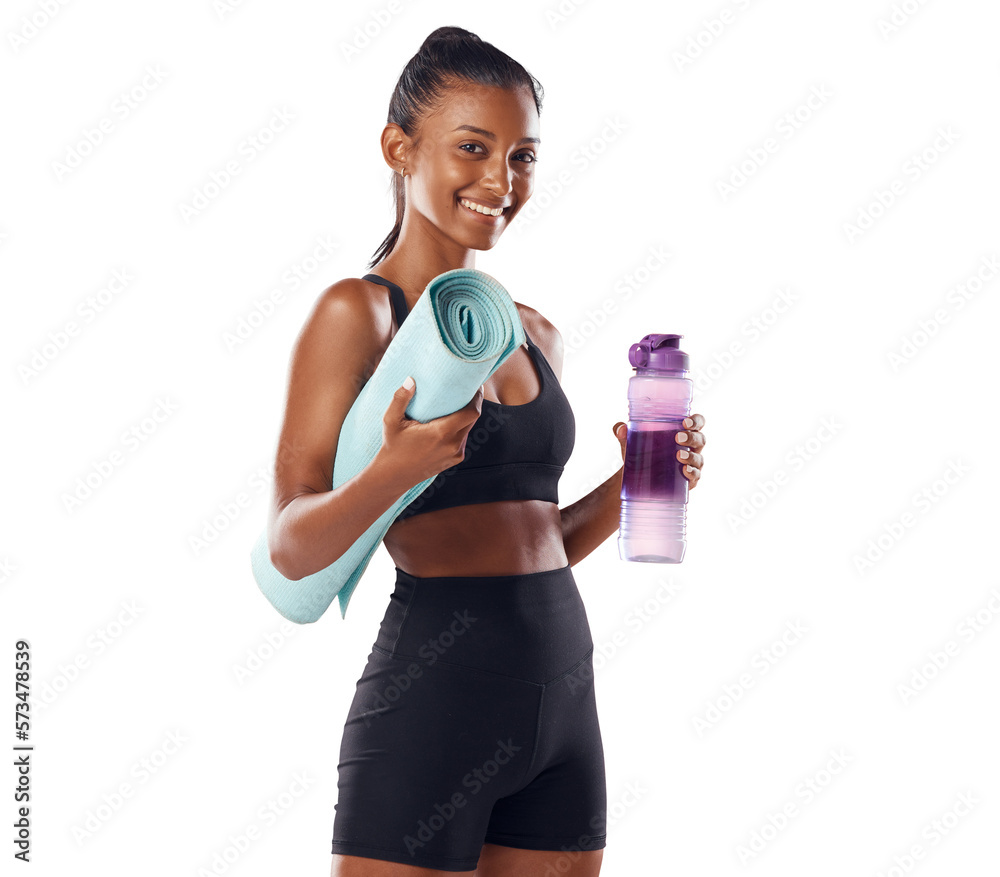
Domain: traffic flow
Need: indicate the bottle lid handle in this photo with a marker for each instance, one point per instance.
(639, 354)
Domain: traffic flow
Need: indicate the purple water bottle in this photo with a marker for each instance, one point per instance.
(654, 490)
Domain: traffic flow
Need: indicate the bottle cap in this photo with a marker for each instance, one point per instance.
(658, 352)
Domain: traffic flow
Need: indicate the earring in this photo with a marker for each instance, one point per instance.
(402, 171)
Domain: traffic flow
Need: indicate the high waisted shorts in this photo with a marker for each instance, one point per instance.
(474, 722)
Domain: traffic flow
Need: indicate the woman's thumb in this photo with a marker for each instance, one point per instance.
(400, 400)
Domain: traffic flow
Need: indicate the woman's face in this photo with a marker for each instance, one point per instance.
(478, 148)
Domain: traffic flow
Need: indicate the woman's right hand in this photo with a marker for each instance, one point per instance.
(416, 450)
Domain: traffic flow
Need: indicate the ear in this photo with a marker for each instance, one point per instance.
(396, 146)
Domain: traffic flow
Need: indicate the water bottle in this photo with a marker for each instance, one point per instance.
(654, 490)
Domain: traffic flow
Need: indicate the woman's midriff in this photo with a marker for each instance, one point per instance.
(483, 539)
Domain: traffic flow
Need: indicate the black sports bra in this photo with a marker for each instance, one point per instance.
(512, 451)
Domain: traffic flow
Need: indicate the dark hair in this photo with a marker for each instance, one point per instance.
(448, 57)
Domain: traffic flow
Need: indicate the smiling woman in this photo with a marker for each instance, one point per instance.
(448, 98)
(472, 743)
(456, 172)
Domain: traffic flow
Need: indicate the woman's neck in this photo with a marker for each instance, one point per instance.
(412, 265)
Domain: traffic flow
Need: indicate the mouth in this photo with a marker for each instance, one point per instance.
(486, 211)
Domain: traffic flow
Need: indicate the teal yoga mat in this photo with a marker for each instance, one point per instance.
(459, 332)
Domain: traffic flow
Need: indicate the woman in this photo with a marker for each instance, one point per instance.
(473, 737)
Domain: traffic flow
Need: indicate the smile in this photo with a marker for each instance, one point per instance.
(479, 208)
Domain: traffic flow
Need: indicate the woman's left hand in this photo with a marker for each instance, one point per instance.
(691, 438)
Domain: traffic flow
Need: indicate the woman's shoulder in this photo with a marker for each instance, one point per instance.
(345, 334)
(352, 300)
(347, 310)
(545, 335)
(351, 292)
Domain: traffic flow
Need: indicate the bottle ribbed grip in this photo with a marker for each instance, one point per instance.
(654, 411)
(649, 517)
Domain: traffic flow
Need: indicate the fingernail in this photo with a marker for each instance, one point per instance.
(688, 421)
(408, 383)
(682, 436)
(683, 455)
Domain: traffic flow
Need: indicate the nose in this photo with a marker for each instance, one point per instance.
(497, 176)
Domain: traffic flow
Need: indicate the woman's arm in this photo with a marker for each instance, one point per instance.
(589, 521)
(310, 525)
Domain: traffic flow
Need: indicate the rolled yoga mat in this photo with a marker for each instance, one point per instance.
(459, 332)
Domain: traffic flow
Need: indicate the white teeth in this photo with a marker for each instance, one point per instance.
(480, 209)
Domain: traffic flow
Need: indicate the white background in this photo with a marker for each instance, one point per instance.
(820, 444)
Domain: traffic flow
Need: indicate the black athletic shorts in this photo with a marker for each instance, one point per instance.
(474, 722)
